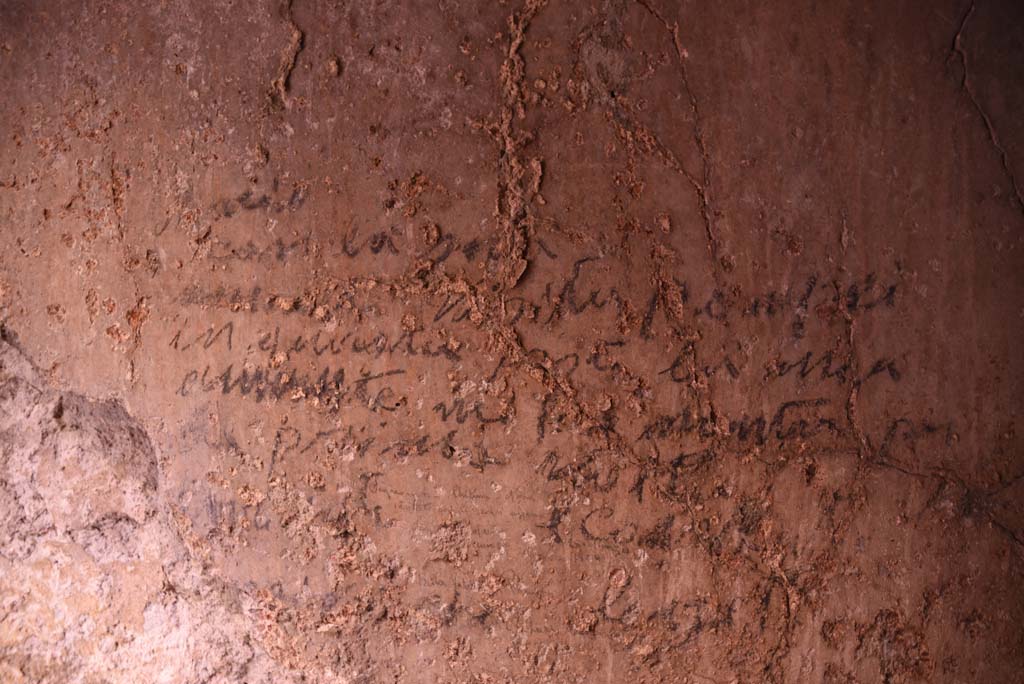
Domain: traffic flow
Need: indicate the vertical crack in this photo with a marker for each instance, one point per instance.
(852, 363)
(958, 51)
(518, 182)
(279, 86)
(703, 188)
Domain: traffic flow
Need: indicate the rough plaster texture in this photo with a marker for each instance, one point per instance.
(488, 342)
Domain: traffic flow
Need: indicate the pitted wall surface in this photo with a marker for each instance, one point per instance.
(511, 342)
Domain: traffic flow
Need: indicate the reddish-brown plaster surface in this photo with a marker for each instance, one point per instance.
(495, 342)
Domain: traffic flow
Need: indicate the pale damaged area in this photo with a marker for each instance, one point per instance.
(95, 582)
